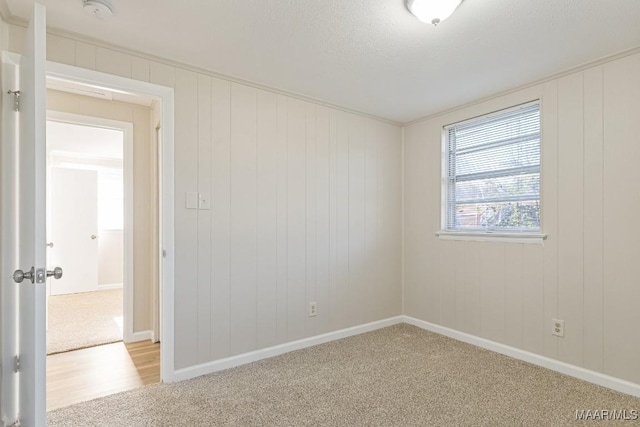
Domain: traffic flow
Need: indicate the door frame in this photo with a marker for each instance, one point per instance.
(166, 174)
(129, 226)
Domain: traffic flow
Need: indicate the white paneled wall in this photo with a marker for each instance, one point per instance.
(264, 251)
(306, 206)
(586, 272)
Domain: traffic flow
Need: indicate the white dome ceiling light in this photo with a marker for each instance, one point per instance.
(432, 11)
(98, 8)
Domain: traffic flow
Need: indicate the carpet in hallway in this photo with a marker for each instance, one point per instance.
(84, 320)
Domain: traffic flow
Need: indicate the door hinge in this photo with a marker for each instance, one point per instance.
(16, 99)
(16, 364)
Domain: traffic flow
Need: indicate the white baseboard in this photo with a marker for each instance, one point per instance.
(254, 356)
(110, 286)
(594, 377)
(141, 336)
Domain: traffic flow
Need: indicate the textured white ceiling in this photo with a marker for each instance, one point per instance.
(367, 55)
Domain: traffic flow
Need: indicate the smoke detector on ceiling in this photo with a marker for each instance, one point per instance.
(98, 8)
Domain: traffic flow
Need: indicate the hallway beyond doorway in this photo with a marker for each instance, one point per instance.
(84, 320)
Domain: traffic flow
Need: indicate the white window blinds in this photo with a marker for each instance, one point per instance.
(493, 172)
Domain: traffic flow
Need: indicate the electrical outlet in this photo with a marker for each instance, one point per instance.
(558, 328)
(313, 309)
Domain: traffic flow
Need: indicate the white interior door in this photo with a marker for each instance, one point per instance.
(32, 223)
(9, 242)
(74, 229)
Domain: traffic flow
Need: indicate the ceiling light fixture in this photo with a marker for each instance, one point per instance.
(98, 8)
(432, 11)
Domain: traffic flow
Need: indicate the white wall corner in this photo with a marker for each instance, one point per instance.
(578, 372)
(402, 308)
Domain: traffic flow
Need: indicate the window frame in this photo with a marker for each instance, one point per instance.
(495, 235)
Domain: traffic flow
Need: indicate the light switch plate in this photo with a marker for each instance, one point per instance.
(204, 201)
(192, 200)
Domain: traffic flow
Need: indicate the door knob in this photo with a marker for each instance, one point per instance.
(56, 273)
(19, 275)
(94, 237)
(50, 244)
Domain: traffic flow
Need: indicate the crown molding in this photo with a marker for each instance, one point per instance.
(13, 20)
(9, 18)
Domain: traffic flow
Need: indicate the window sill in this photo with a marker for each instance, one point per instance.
(479, 236)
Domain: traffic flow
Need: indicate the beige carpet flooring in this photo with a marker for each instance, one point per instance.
(397, 376)
(84, 320)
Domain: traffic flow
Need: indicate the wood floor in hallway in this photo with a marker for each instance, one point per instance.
(81, 375)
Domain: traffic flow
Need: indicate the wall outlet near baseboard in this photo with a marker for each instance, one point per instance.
(313, 309)
(558, 328)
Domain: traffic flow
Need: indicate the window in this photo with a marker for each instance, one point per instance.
(492, 173)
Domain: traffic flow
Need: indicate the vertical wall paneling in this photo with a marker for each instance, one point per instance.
(243, 220)
(162, 74)
(383, 270)
(186, 220)
(113, 62)
(622, 202)
(16, 38)
(471, 274)
(356, 219)
(296, 219)
(85, 56)
(340, 301)
(323, 207)
(311, 214)
(570, 216)
(140, 69)
(492, 294)
(267, 217)
(447, 281)
(513, 266)
(371, 278)
(593, 219)
(430, 259)
(459, 288)
(282, 228)
(533, 325)
(421, 295)
(220, 218)
(61, 49)
(204, 219)
(549, 210)
(390, 179)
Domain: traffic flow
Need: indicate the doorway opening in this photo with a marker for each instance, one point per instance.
(102, 334)
(85, 227)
